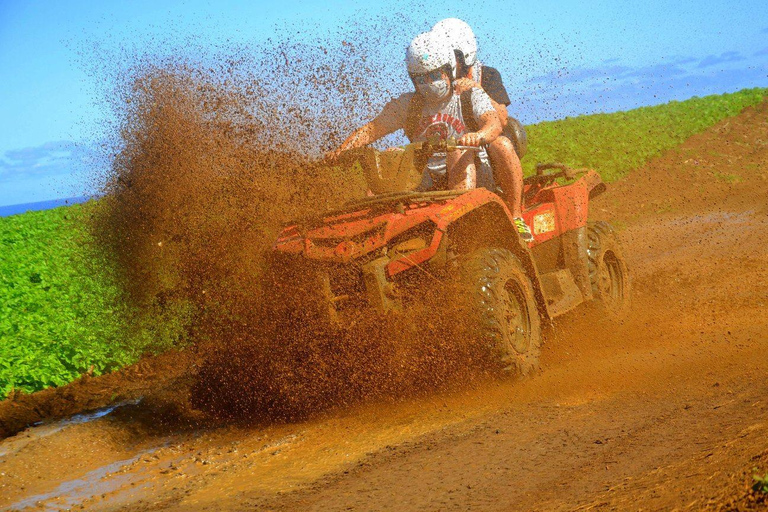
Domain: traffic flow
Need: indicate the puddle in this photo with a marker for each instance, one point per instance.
(72, 492)
(44, 429)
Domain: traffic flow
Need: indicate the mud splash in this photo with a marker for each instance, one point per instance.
(667, 410)
(214, 156)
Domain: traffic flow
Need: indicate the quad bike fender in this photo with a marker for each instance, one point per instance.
(490, 224)
(593, 183)
(453, 215)
(439, 219)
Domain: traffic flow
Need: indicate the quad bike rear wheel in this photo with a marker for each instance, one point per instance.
(607, 270)
(498, 305)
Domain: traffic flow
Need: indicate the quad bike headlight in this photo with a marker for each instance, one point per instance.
(346, 248)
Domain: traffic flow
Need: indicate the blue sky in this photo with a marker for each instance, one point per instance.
(557, 59)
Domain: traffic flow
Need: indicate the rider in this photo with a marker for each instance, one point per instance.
(470, 73)
(431, 66)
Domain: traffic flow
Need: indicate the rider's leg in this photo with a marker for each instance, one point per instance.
(508, 173)
(461, 170)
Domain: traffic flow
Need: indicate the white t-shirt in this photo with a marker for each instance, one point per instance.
(445, 119)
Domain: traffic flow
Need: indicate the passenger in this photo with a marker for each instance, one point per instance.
(470, 73)
(431, 66)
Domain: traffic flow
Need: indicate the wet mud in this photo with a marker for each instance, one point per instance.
(89, 395)
(666, 408)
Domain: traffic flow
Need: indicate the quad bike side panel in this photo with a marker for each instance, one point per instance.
(571, 203)
(557, 215)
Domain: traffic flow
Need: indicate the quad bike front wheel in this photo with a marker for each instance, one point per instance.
(498, 305)
(607, 269)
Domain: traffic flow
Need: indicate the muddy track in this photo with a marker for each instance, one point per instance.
(666, 410)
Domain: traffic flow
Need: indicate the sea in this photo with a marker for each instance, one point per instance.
(15, 209)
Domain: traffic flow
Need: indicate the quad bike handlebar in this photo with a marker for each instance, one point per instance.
(424, 149)
(399, 169)
(438, 145)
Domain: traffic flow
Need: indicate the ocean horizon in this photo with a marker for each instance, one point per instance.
(15, 209)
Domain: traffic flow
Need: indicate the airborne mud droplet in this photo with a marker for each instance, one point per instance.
(214, 155)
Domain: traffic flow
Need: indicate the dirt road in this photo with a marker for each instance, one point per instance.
(668, 410)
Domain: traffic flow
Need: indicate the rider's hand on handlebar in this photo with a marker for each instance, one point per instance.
(471, 139)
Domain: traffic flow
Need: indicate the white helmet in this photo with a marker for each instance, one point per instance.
(460, 37)
(430, 51)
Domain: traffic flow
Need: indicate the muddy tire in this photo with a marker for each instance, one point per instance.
(607, 270)
(497, 304)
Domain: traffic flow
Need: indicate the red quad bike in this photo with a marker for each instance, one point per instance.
(378, 254)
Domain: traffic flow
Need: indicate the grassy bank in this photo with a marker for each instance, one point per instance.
(614, 144)
(57, 317)
(60, 313)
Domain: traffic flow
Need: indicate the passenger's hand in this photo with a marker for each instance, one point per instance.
(463, 84)
(471, 139)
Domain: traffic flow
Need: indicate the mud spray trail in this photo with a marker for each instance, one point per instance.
(667, 410)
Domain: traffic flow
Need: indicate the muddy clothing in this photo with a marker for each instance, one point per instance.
(445, 119)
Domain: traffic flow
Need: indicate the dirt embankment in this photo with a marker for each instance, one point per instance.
(664, 411)
(90, 393)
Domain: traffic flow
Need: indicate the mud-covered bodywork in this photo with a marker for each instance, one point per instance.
(383, 238)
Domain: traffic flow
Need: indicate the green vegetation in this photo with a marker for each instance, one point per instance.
(761, 484)
(614, 144)
(60, 312)
(726, 177)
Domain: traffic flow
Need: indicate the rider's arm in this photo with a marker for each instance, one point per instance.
(391, 119)
(366, 134)
(486, 118)
(493, 85)
(369, 132)
(496, 89)
(501, 111)
(490, 127)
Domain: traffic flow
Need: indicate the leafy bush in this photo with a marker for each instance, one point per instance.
(760, 484)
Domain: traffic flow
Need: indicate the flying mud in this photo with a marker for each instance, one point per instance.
(211, 163)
